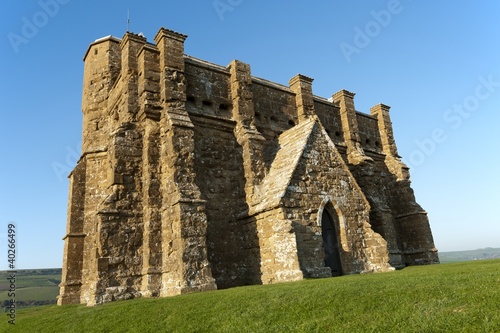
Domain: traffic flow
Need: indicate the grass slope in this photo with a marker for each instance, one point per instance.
(458, 297)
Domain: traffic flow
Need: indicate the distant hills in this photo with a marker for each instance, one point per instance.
(480, 254)
(33, 287)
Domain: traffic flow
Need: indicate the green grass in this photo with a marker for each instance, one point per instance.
(457, 297)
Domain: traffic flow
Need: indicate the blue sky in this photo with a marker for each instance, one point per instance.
(437, 64)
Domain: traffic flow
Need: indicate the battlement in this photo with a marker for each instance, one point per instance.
(274, 111)
(196, 176)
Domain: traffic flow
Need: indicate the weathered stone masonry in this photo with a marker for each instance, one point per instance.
(195, 176)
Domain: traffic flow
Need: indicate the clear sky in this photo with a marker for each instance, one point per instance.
(436, 63)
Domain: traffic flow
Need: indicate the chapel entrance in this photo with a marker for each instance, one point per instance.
(331, 244)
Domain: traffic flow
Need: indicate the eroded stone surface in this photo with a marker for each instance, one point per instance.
(195, 176)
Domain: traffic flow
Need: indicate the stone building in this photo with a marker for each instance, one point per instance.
(195, 176)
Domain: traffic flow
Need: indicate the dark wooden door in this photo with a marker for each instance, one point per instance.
(331, 244)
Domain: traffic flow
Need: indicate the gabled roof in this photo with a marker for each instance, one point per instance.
(292, 144)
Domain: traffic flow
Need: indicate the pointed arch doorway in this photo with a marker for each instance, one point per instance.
(331, 244)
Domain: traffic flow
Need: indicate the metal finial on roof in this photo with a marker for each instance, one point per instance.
(128, 20)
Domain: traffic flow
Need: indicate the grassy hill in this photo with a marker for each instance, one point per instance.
(480, 254)
(457, 297)
(40, 286)
(33, 286)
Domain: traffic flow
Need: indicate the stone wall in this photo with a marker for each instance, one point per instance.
(222, 184)
(329, 116)
(369, 134)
